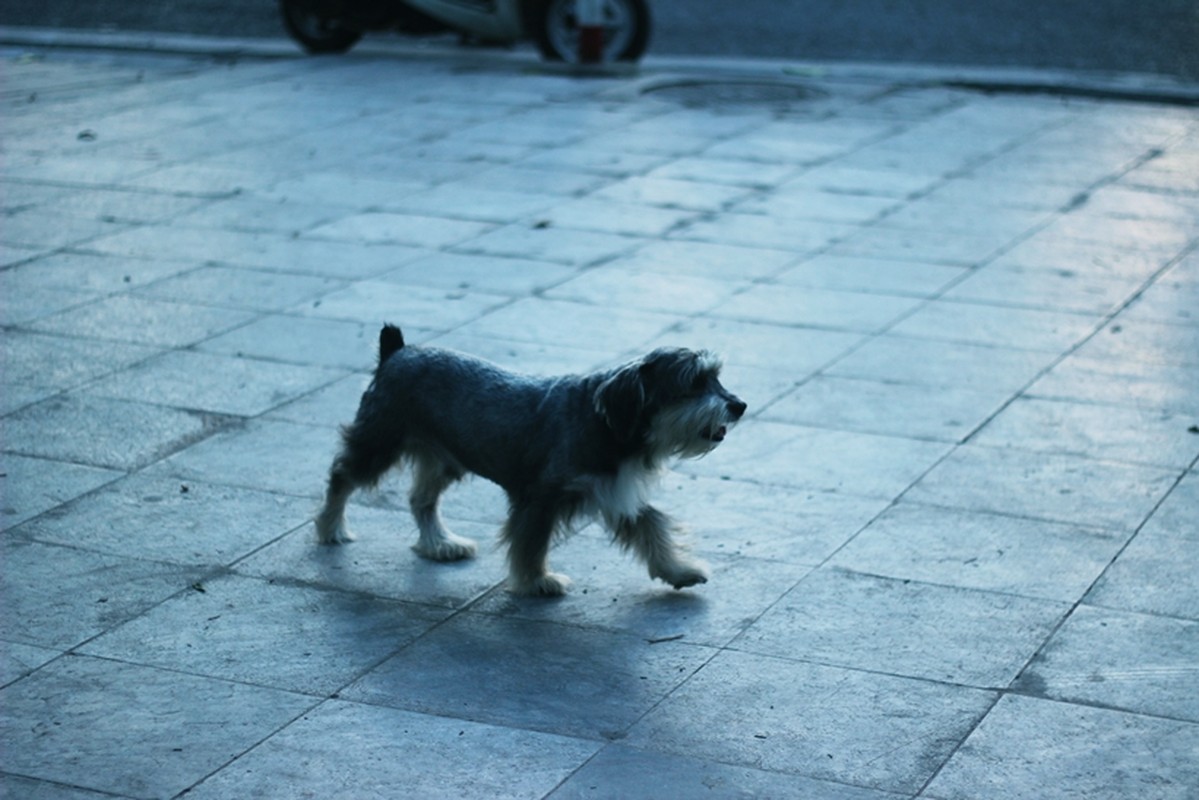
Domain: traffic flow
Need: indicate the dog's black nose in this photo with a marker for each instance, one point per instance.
(737, 408)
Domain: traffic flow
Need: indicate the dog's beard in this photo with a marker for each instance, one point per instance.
(690, 429)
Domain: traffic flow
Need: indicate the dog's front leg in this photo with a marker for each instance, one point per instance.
(650, 536)
(528, 532)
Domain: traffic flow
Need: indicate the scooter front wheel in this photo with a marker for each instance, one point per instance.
(317, 34)
(555, 28)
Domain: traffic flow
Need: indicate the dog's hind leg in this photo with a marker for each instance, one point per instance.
(362, 461)
(331, 522)
(528, 532)
(430, 477)
(650, 536)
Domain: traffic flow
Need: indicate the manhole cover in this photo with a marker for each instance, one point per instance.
(705, 94)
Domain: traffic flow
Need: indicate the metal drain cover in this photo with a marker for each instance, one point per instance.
(723, 93)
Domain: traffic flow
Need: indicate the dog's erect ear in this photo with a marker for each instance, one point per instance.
(621, 400)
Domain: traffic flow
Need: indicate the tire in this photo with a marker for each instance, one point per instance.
(556, 31)
(316, 34)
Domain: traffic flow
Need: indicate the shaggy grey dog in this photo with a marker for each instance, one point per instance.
(559, 447)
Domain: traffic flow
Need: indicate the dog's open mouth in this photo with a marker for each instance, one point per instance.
(716, 434)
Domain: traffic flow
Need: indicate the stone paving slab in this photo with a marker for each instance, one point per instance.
(1119, 660)
(679, 777)
(835, 617)
(402, 752)
(1028, 748)
(131, 730)
(283, 635)
(189, 523)
(952, 543)
(787, 715)
(992, 552)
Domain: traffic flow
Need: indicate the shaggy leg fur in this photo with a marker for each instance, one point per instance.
(331, 523)
(430, 478)
(365, 455)
(349, 472)
(649, 537)
(528, 532)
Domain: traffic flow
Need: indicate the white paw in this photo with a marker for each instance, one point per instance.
(551, 584)
(682, 574)
(447, 548)
(333, 532)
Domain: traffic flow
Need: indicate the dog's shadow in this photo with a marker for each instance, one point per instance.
(381, 563)
(540, 674)
(588, 664)
(665, 614)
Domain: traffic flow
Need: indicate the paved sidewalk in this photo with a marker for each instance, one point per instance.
(954, 543)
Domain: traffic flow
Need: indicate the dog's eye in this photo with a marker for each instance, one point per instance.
(699, 384)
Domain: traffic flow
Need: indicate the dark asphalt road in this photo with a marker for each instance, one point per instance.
(1154, 36)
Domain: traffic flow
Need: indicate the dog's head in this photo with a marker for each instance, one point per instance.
(671, 402)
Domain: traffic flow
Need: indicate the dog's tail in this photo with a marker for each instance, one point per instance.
(390, 340)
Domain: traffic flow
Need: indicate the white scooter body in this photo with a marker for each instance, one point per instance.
(564, 30)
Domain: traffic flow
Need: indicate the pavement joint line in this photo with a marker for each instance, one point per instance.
(1111, 86)
(1013, 688)
(1100, 325)
(928, 299)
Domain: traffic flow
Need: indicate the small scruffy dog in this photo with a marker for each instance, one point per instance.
(559, 447)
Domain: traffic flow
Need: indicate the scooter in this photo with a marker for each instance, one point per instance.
(575, 31)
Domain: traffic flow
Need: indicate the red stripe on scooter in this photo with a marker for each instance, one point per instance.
(591, 44)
